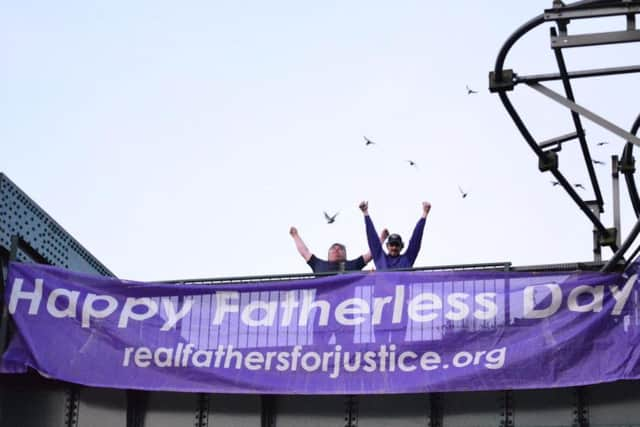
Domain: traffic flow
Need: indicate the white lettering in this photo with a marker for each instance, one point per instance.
(270, 310)
(90, 311)
(150, 309)
(530, 310)
(622, 296)
(595, 303)
(486, 300)
(352, 307)
(34, 296)
(223, 306)
(72, 303)
(424, 302)
(173, 317)
(456, 301)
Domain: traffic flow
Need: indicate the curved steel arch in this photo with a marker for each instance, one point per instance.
(502, 80)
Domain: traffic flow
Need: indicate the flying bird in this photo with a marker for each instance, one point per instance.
(330, 219)
(462, 192)
(598, 162)
(412, 163)
(601, 143)
(471, 91)
(367, 141)
(579, 186)
(554, 183)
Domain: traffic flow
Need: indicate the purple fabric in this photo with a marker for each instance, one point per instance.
(355, 333)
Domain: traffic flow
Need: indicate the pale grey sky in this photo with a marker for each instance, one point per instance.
(178, 141)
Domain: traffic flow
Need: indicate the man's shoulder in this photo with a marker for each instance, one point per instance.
(356, 263)
(315, 260)
(318, 265)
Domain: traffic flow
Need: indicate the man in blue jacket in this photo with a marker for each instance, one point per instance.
(394, 259)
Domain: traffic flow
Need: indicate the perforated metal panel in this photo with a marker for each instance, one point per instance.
(399, 410)
(478, 409)
(613, 404)
(171, 409)
(544, 408)
(101, 407)
(27, 404)
(310, 411)
(228, 410)
(19, 215)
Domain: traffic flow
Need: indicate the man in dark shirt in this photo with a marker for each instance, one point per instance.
(336, 259)
(394, 259)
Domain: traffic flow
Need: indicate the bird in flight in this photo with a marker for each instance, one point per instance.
(367, 141)
(412, 163)
(330, 219)
(554, 183)
(598, 162)
(470, 91)
(601, 143)
(462, 192)
(580, 186)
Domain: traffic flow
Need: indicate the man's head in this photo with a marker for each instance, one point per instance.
(394, 245)
(337, 253)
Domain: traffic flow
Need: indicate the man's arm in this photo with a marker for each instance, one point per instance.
(416, 237)
(383, 236)
(302, 248)
(375, 247)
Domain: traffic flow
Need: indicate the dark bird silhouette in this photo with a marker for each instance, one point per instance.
(412, 163)
(462, 192)
(554, 183)
(471, 91)
(598, 162)
(601, 143)
(367, 141)
(330, 219)
(580, 186)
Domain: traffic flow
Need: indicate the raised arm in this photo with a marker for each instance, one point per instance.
(375, 247)
(416, 238)
(426, 207)
(383, 236)
(302, 248)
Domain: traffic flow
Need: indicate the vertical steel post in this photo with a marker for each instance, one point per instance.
(507, 294)
(597, 251)
(268, 411)
(351, 411)
(436, 410)
(202, 410)
(580, 408)
(4, 319)
(616, 197)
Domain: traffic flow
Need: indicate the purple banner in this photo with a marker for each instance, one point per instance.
(355, 333)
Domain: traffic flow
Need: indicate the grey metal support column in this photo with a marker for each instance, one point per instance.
(4, 319)
(71, 406)
(136, 407)
(615, 191)
(597, 251)
(506, 416)
(17, 243)
(202, 411)
(580, 409)
(268, 411)
(507, 299)
(577, 122)
(435, 410)
(351, 411)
